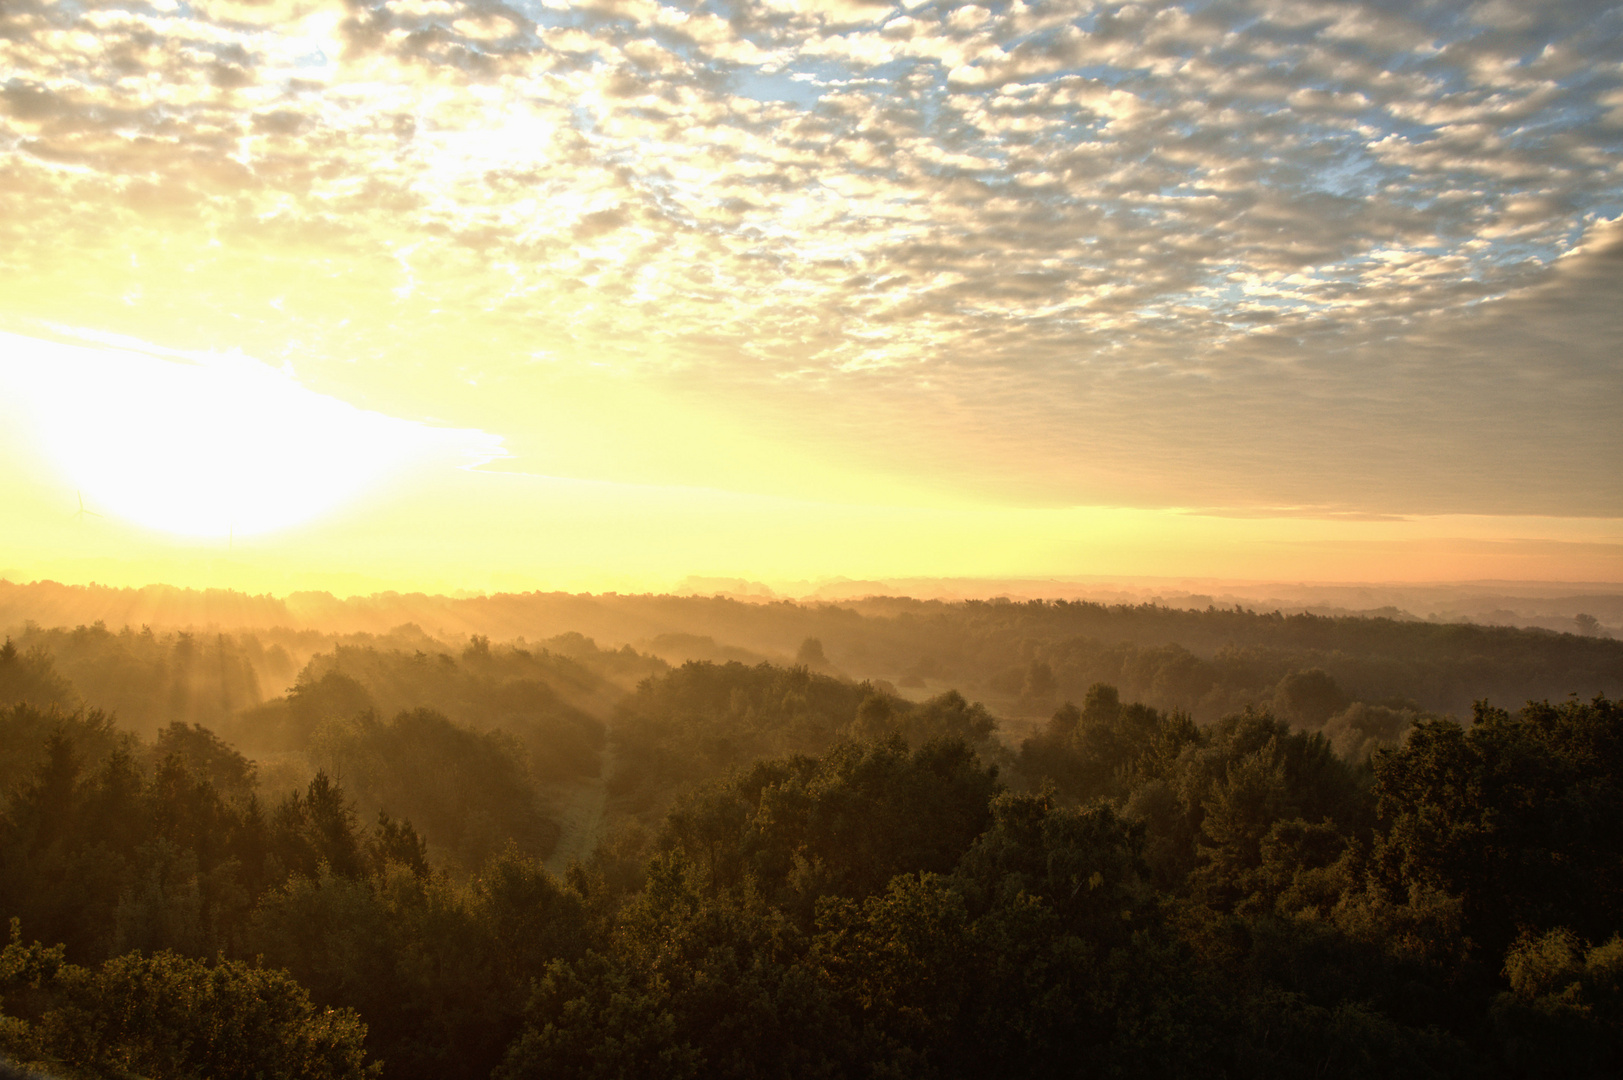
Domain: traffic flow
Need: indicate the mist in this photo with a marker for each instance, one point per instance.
(306, 790)
(811, 540)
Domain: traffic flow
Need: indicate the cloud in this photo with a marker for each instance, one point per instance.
(1056, 217)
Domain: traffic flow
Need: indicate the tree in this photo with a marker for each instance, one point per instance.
(1309, 698)
(843, 824)
(170, 1018)
(32, 677)
(1519, 816)
(810, 654)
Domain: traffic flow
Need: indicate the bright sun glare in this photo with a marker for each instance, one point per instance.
(211, 445)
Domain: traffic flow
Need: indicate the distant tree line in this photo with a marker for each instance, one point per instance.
(966, 645)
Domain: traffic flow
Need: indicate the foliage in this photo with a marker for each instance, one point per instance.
(146, 678)
(171, 1018)
(1519, 816)
(525, 694)
(802, 828)
(30, 676)
(702, 720)
(827, 880)
(25, 735)
(469, 792)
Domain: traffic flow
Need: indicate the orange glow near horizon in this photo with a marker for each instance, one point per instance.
(452, 530)
(435, 299)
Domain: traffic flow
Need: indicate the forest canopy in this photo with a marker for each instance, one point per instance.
(510, 859)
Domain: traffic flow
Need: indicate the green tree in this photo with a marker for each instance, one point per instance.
(171, 1018)
(1519, 816)
(31, 677)
(843, 824)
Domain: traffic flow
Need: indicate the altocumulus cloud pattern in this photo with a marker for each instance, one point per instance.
(1138, 233)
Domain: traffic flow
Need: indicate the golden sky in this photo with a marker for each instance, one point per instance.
(443, 295)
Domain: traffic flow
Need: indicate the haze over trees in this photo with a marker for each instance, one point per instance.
(1207, 662)
(1270, 849)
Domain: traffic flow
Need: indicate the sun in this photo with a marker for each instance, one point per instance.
(211, 445)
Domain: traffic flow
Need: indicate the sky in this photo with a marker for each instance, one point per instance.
(461, 296)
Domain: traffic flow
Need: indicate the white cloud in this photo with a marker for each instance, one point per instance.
(795, 193)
